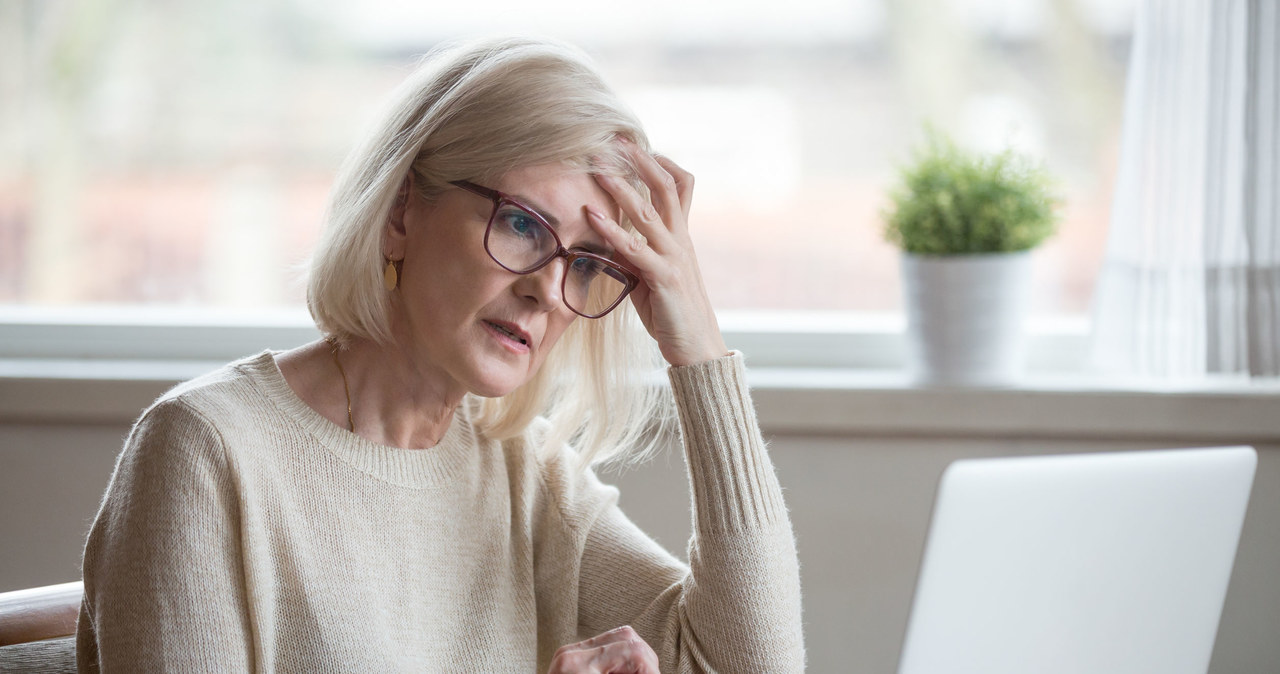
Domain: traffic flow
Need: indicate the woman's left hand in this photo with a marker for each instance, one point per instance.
(671, 298)
(618, 651)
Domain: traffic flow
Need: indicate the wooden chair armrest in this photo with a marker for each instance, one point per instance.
(39, 613)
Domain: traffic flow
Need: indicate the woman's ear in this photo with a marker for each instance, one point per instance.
(395, 231)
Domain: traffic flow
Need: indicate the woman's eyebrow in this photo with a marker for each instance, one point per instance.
(533, 206)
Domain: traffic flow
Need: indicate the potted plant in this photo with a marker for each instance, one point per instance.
(966, 224)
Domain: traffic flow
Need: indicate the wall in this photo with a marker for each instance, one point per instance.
(859, 464)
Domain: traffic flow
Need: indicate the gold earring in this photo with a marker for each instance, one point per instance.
(390, 278)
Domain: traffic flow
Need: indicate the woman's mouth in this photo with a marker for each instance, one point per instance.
(511, 336)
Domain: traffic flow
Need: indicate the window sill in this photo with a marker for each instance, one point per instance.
(811, 374)
(885, 403)
(789, 400)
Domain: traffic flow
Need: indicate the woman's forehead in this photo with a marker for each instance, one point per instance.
(555, 191)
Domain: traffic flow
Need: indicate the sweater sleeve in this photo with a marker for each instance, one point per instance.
(736, 608)
(164, 588)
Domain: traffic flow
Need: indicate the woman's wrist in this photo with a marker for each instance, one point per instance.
(711, 350)
(702, 360)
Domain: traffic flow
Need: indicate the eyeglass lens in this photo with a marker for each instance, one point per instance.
(520, 242)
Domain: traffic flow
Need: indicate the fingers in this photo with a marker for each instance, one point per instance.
(620, 650)
(683, 182)
(666, 210)
(642, 213)
(616, 634)
(663, 185)
(633, 656)
(634, 248)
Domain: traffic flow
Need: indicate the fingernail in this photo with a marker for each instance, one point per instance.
(594, 213)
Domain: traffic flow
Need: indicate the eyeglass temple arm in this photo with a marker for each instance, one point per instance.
(477, 189)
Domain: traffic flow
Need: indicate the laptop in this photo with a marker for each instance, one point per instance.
(1114, 562)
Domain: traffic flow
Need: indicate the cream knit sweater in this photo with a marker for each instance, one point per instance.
(242, 531)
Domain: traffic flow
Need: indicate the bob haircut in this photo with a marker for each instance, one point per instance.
(475, 111)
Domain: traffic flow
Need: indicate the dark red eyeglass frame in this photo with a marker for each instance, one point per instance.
(499, 198)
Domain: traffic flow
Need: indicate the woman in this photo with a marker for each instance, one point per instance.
(413, 492)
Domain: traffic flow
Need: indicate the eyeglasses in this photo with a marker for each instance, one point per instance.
(522, 242)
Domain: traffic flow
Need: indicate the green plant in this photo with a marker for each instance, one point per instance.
(950, 202)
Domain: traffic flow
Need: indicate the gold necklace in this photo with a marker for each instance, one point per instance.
(333, 342)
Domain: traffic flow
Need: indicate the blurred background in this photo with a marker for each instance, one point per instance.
(168, 161)
(179, 152)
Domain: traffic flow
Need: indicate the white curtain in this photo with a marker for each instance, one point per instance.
(1190, 284)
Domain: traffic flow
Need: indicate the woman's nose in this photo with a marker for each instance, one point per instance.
(543, 286)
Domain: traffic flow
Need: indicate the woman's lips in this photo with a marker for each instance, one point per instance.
(510, 335)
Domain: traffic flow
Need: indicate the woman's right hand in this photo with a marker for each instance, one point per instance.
(618, 651)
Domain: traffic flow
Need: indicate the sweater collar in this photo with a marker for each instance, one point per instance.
(413, 468)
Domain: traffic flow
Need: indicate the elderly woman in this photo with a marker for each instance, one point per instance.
(414, 492)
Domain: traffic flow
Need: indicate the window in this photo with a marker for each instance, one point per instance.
(180, 153)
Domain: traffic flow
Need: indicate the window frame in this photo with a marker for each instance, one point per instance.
(770, 339)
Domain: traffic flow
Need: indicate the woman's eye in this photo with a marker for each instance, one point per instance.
(520, 223)
(586, 267)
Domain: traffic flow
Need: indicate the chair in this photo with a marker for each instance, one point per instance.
(38, 628)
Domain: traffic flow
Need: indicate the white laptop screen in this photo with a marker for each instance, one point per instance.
(1113, 562)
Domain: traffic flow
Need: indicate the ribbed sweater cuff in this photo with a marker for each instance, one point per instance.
(734, 487)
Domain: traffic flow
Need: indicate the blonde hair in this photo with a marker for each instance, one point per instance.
(474, 112)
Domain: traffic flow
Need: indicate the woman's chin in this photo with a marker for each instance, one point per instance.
(492, 393)
(498, 385)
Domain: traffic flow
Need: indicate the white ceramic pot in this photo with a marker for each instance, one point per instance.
(965, 317)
